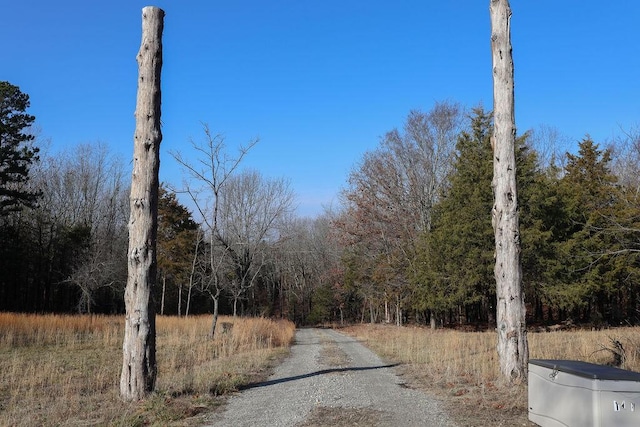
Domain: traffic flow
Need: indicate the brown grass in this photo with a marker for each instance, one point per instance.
(323, 416)
(330, 354)
(462, 367)
(65, 370)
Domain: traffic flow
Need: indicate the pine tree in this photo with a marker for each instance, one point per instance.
(177, 232)
(454, 265)
(16, 151)
(590, 273)
(457, 259)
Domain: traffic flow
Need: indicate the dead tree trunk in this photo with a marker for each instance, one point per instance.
(513, 349)
(139, 348)
(214, 321)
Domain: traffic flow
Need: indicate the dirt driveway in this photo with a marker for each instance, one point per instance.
(331, 380)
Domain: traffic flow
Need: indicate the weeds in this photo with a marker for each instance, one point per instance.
(65, 370)
(463, 368)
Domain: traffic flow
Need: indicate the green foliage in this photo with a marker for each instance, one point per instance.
(321, 305)
(455, 264)
(16, 152)
(591, 244)
(177, 234)
(455, 261)
(541, 225)
(579, 230)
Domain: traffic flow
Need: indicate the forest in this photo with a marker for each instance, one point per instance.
(411, 240)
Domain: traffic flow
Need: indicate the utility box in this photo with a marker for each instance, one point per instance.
(569, 393)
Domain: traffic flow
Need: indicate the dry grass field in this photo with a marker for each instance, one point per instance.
(65, 370)
(462, 367)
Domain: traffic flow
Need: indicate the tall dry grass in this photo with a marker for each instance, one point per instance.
(448, 355)
(65, 370)
(464, 368)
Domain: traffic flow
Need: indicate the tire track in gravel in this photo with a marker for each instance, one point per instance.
(309, 389)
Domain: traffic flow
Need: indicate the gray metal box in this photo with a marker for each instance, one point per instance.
(572, 393)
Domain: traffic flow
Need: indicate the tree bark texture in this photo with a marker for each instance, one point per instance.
(214, 321)
(513, 349)
(139, 348)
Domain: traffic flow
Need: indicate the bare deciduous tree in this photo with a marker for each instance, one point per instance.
(548, 143)
(391, 197)
(306, 258)
(84, 202)
(626, 165)
(513, 349)
(206, 178)
(192, 273)
(250, 209)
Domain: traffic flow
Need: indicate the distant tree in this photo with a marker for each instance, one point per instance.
(251, 209)
(625, 226)
(626, 159)
(68, 252)
(595, 208)
(421, 157)
(194, 270)
(16, 150)
(177, 234)
(454, 262)
(390, 200)
(84, 192)
(204, 183)
(548, 142)
(306, 257)
(541, 224)
(453, 267)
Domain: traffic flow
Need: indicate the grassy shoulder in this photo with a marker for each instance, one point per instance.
(65, 370)
(462, 369)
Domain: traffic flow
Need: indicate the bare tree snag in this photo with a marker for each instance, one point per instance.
(139, 347)
(513, 349)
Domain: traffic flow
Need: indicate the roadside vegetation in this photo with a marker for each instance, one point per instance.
(64, 370)
(462, 368)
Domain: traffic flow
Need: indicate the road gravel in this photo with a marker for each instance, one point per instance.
(330, 379)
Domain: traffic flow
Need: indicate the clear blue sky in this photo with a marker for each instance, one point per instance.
(318, 81)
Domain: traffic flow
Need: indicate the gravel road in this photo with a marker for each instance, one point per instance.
(331, 380)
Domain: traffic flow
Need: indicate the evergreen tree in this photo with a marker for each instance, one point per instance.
(177, 232)
(542, 225)
(591, 273)
(16, 152)
(624, 228)
(454, 265)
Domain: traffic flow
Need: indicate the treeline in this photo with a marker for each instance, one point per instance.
(411, 241)
(419, 241)
(67, 251)
(64, 235)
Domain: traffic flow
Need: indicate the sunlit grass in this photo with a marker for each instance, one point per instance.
(448, 354)
(65, 370)
(464, 365)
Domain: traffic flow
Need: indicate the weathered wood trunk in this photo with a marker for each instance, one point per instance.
(513, 349)
(139, 347)
(214, 321)
(164, 290)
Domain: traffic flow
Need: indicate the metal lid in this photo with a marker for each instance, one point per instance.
(587, 370)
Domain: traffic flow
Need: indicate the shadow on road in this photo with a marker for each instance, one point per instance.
(312, 374)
